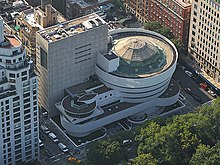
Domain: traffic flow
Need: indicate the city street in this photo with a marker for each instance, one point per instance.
(50, 153)
(189, 82)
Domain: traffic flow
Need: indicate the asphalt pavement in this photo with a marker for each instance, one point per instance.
(190, 82)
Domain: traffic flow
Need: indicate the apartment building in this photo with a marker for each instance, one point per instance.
(174, 14)
(18, 103)
(75, 8)
(31, 20)
(204, 38)
(66, 55)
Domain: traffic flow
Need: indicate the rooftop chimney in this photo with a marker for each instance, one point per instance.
(44, 3)
(1, 30)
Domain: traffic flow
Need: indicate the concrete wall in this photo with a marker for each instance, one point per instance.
(66, 65)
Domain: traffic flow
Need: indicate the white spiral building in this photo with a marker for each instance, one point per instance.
(132, 80)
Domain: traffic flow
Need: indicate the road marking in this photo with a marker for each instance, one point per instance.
(68, 155)
(56, 160)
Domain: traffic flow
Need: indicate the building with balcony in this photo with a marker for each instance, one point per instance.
(66, 54)
(18, 103)
(31, 20)
(174, 14)
(204, 39)
(132, 80)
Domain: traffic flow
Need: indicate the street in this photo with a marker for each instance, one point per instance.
(187, 82)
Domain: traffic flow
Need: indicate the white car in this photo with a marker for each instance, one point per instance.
(62, 147)
(53, 137)
(189, 73)
(126, 142)
(212, 93)
(41, 144)
(45, 129)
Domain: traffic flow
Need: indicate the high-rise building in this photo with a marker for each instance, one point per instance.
(18, 103)
(66, 55)
(174, 14)
(31, 20)
(204, 38)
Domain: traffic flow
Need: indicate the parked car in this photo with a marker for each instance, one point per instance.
(45, 114)
(41, 144)
(126, 142)
(188, 90)
(53, 137)
(197, 98)
(183, 67)
(42, 137)
(45, 129)
(62, 147)
(212, 93)
(189, 73)
(49, 154)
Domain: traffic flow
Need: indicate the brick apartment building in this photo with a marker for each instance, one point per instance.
(174, 14)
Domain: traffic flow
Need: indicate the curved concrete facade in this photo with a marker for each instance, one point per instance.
(121, 95)
(142, 87)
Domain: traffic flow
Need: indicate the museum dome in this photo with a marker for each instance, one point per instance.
(138, 56)
(134, 49)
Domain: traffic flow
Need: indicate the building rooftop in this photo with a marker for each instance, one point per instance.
(115, 107)
(11, 41)
(110, 56)
(184, 3)
(142, 54)
(84, 4)
(172, 89)
(71, 28)
(71, 105)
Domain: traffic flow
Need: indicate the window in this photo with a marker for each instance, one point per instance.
(194, 20)
(24, 73)
(15, 98)
(43, 58)
(12, 75)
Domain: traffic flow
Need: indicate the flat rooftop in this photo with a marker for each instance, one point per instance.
(13, 42)
(84, 4)
(110, 56)
(29, 17)
(71, 28)
(172, 89)
(115, 107)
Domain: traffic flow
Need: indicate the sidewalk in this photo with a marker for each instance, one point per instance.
(201, 72)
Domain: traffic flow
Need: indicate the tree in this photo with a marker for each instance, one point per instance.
(165, 31)
(145, 159)
(179, 45)
(206, 155)
(106, 152)
(176, 142)
(152, 25)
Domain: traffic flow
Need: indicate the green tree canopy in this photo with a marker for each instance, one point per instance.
(152, 25)
(144, 159)
(176, 142)
(206, 155)
(106, 152)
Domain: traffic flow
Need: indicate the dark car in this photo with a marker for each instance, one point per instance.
(197, 98)
(188, 90)
(49, 154)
